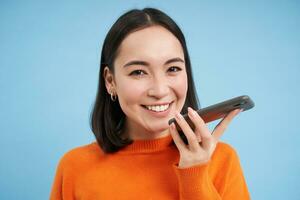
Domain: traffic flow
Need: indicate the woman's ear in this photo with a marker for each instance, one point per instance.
(109, 80)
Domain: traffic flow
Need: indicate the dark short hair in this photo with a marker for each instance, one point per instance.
(107, 118)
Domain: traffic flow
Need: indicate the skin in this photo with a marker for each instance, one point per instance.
(138, 84)
(148, 85)
(198, 151)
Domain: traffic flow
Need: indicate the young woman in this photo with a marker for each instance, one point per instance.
(146, 79)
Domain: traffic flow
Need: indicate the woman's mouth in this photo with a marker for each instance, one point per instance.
(159, 108)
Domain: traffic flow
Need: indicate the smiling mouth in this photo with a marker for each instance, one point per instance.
(157, 108)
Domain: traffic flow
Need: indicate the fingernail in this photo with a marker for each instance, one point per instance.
(178, 116)
(191, 112)
(173, 126)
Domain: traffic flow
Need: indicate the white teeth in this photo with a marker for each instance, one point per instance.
(158, 108)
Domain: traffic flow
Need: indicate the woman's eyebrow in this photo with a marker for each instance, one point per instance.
(140, 62)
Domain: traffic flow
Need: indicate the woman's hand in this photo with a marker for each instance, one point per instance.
(197, 152)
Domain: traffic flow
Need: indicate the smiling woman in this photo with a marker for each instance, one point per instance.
(146, 79)
(156, 78)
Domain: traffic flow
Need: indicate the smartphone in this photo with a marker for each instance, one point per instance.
(218, 111)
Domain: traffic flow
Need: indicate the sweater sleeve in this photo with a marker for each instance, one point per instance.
(197, 182)
(56, 191)
(194, 183)
(62, 187)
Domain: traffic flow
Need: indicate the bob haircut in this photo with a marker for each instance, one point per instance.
(107, 118)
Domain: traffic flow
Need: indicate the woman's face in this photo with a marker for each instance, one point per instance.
(150, 81)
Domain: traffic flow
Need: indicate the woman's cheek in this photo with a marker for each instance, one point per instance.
(180, 85)
(132, 91)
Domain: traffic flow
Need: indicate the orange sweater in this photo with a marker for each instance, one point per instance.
(147, 169)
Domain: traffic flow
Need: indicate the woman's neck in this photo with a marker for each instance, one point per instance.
(136, 132)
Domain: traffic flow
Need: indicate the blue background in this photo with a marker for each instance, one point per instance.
(49, 59)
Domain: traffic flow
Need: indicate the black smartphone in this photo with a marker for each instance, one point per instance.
(217, 111)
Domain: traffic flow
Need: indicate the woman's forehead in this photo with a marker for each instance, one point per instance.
(153, 43)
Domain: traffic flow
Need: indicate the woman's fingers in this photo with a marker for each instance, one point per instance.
(201, 129)
(177, 139)
(189, 133)
(195, 153)
(221, 127)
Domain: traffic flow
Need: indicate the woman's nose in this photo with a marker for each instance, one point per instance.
(159, 88)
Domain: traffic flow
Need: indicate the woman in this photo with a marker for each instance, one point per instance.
(146, 79)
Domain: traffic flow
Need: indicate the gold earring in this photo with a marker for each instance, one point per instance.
(113, 96)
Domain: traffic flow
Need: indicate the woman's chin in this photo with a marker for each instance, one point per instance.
(159, 129)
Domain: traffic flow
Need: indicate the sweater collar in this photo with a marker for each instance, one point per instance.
(148, 146)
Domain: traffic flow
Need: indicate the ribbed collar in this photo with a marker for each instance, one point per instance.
(148, 146)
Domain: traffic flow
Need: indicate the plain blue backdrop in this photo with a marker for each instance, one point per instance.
(49, 59)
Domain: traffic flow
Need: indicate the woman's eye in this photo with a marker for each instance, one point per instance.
(174, 69)
(137, 73)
